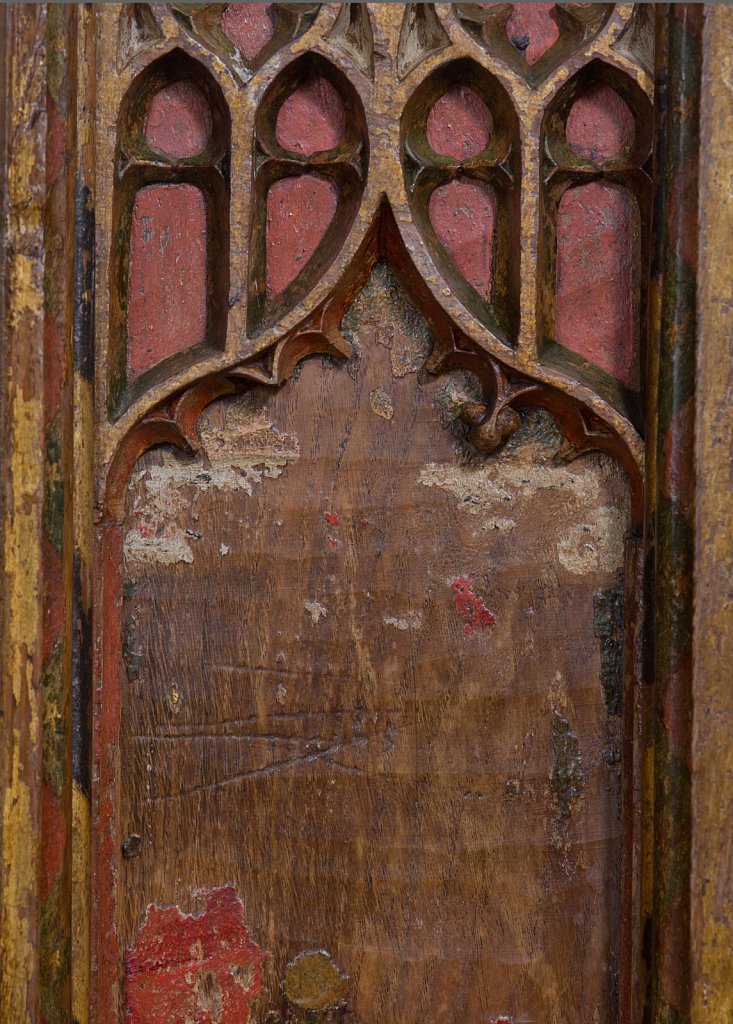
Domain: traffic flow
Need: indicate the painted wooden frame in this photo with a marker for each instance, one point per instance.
(56, 578)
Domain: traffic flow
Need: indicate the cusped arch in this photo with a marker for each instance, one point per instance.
(311, 153)
(461, 162)
(596, 146)
(169, 266)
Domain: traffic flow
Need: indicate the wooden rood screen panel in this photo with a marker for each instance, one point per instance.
(370, 312)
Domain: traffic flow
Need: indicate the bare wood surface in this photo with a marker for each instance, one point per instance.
(319, 707)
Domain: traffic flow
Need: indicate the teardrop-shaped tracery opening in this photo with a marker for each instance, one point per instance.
(311, 119)
(533, 29)
(249, 27)
(597, 277)
(178, 122)
(459, 124)
(463, 213)
(299, 212)
(166, 310)
(600, 125)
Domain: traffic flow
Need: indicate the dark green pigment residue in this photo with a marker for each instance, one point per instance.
(55, 959)
(608, 620)
(54, 723)
(130, 653)
(568, 781)
(384, 304)
(53, 493)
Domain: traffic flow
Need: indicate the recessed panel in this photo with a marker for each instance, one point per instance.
(364, 705)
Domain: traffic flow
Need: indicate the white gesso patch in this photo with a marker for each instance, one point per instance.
(246, 451)
(597, 543)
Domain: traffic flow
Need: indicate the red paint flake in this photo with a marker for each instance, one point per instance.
(533, 29)
(332, 518)
(463, 214)
(364, 522)
(312, 118)
(299, 211)
(179, 121)
(193, 967)
(471, 607)
(459, 125)
(167, 305)
(249, 27)
(333, 542)
(597, 299)
(600, 125)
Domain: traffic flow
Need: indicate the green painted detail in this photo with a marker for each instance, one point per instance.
(130, 653)
(54, 723)
(55, 960)
(57, 55)
(568, 780)
(674, 795)
(675, 543)
(384, 303)
(53, 492)
(608, 623)
(677, 348)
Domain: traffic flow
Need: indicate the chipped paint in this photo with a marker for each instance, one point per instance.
(412, 620)
(316, 610)
(237, 457)
(598, 543)
(332, 518)
(608, 624)
(381, 403)
(194, 967)
(567, 779)
(499, 487)
(471, 607)
(385, 314)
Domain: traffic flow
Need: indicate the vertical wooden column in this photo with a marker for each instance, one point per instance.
(23, 109)
(84, 431)
(712, 734)
(672, 481)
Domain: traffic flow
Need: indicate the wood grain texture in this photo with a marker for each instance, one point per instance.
(712, 754)
(22, 487)
(306, 715)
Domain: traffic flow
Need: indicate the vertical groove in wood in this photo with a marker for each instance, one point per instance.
(83, 511)
(674, 515)
(56, 836)
(22, 484)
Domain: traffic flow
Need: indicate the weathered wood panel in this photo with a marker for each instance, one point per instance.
(364, 686)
